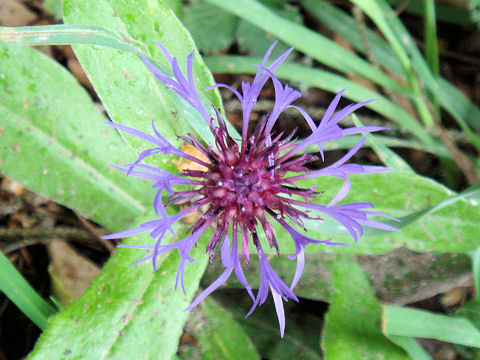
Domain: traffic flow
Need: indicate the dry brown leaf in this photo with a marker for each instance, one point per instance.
(14, 13)
(70, 272)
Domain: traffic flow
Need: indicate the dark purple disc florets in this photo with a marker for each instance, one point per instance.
(245, 185)
(241, 186)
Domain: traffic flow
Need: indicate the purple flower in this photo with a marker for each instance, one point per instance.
(247, 184)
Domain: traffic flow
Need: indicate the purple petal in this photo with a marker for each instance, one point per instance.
(213, 286)
(277, 299)
(225, 253)
(299, 269)
(347, 111)
(134, 132)
(342, 192)
(218, 85)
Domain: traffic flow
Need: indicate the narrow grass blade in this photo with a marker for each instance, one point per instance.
(382, 13)
(62, 35)
(411, 322)
(14, 286)
(371, 8)
(451, 99)
(476, 273)
(431, 46)
(431, 43)
(445, 13)
(411, 346)
(312, 44)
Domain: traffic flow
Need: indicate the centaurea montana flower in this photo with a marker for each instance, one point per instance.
(248, 183)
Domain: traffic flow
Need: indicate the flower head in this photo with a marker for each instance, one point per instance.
(248, 183)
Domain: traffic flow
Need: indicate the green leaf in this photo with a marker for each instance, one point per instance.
(411, 346)
(129, 91)
(127, 312)
(54, 7)
(433, 218)
(424, 324)
(474, 9)
(476, 273)
(17, 289)
(431, 44)
(448, 13)
(386, 156)
(176, 6)
(312, 44)
(52, 129)
(467, 194)
(301, 333)
(212, 28)
(471, 311)
(351, 324)
(219, 336)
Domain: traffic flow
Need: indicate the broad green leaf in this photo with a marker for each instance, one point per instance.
(54, 7)
(17, 289)
(217, 334)
(128, 90)
(312, 44)
(176, 6)
(327, 81)
(468, 194)
(212, 28)
(434, 218)
(127, 312)
(352, 322)
(386, 156)
(394, 276)
(424, 324)
(54, 141)
(302, 331)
